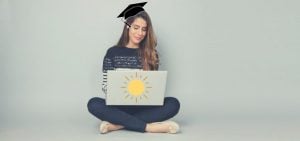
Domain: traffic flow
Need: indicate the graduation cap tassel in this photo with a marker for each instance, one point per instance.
(125, 22)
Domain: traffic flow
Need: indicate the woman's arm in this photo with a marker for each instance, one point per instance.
(107, 65)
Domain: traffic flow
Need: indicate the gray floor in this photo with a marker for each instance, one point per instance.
(194, 129)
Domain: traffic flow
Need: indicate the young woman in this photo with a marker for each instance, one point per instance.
(135, 50)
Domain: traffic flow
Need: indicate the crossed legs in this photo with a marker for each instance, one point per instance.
(136, 118)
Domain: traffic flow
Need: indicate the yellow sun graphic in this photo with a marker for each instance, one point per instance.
(136, 87)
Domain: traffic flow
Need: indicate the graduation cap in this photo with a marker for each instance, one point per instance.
(131, 10)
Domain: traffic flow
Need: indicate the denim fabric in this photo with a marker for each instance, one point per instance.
(133, 118)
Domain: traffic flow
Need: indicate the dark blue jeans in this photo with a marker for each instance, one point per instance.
(133, 118)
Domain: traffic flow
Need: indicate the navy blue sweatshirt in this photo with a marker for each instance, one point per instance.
(120, 58)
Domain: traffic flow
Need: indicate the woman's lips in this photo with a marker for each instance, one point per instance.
(138, 38)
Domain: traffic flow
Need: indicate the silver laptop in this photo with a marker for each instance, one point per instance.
(136, 87)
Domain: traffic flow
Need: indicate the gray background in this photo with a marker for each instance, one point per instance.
(230, 62)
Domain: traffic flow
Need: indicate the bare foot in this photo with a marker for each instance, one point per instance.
(163, 127)
(114, 127)
(106, 127)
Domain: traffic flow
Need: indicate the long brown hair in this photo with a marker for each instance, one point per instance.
(147, 47)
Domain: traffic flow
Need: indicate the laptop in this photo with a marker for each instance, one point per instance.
(136, 87)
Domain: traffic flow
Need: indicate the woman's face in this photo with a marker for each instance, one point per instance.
(137, 31)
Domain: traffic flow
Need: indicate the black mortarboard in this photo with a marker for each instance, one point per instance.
(132, 10)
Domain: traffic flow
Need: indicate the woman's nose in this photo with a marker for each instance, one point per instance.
(140, 32)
